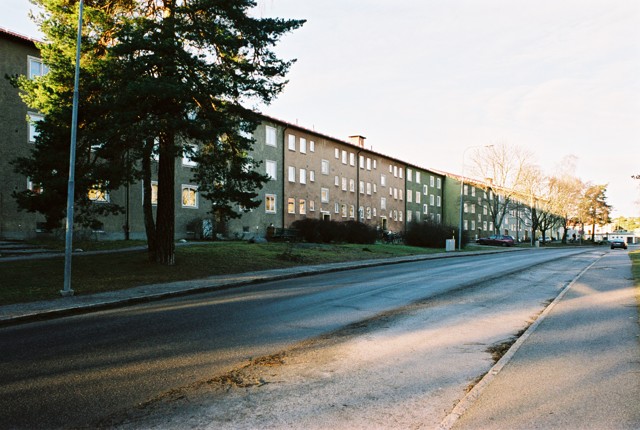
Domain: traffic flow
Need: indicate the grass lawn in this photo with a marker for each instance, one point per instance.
(31, 280)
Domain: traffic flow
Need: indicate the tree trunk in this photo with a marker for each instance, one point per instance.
(147, 206)
(165, 225)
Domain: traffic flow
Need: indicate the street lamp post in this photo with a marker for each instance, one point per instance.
(462, 189)
(67, 291)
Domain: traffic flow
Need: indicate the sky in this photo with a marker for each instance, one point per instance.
(426, 80)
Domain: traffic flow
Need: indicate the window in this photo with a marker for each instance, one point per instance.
(368, 212)
(312, 206)
(484, 226)
(425, 209)
(292, 142)
(417, 215)
(368, 163)
(272, 169)
(466, 225)
(400, 174)
(352, 185)
(409, 197)
(473, 225)
(466, 207)
(361, 187)
(375, 188)
(312, 146)
(302, 206)
(325, 167)
(270, 133)
(473, 208)
(291, 205)
(98, 195)
(418, 197)
(303, 145)
(190, 196)
(425, 190)
(484, 210)
(336, 181)
(343, 210)
(344, 157)
(344, 184)
(154, 192)
(337, 153)
(473, 192)
(439, 183)
(33, 187)
(33, 132)
(383, 181)
(439, 201)
(395, 171)
(312, 175)
(418, 177)
(466, 190)
(188, 152)
(303, 176)
(400, 194)
(395, 193)
(400, 216)
(324, 195)
(409, 177)
(37, 67)
(352, 159)
(383, 203)
(352, 211)
(432, 181)
(361, 161)
(432, 199)
(369, 188)
(270, 203)
(292, 174)
(409, 213)
(336, 208)
(375, 167)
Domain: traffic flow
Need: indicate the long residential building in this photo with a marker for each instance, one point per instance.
(312, 175)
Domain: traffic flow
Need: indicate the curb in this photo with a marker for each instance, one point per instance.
(45, 310)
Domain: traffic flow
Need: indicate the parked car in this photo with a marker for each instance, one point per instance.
(618, 243)
(497, 240)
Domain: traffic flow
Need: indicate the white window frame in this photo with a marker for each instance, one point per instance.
(302, 176)
(291, 176)
(325, 167)
(291, 205)
(291, 139)
(193, 188)
(270, 203)
(271, 167)
(324, 195)
(303, 145)
(44, 69)
(31, 124)
(312, 175)
(186, 156)
(270, 136)
(312, 146)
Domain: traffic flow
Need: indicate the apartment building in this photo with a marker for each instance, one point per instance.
(424, 195)
(312, 175)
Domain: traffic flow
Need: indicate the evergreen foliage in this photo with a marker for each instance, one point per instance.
(157, 77)
(430, 234)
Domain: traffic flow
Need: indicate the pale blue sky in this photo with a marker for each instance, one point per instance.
(425, 79)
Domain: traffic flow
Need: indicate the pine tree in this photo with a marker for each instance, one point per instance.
(162, 75)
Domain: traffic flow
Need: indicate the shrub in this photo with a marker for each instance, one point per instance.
(429, 234)
(320, 231)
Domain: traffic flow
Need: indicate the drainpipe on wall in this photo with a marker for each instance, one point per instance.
(359, 141)
(284, 136)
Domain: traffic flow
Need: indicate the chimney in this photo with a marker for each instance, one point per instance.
(357, 140)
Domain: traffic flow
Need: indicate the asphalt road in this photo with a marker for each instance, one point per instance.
(76, 371)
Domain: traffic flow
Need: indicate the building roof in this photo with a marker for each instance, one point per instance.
(18, 36)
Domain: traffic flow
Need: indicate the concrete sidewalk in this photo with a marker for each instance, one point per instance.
(578, 367)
